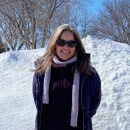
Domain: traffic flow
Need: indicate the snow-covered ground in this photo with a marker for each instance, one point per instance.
(112, 61)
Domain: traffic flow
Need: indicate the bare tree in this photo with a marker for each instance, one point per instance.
(75, 13)
(10, 34)
(30, 23)
(114, 21)
(81, 19)
(19, 21)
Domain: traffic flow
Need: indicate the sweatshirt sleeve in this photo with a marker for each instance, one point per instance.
(95, 92)
(34, 90)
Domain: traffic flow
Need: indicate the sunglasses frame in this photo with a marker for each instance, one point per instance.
(69, 43)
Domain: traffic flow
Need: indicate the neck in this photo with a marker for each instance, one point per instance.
(57, 61)
(62, 59)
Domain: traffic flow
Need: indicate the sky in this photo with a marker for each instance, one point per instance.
(112, 62)
(95, 6)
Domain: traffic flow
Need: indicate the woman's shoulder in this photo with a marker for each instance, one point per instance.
(38, 62)
(94, 75)
(38, 78)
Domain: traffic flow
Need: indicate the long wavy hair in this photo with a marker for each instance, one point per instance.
(83, 63)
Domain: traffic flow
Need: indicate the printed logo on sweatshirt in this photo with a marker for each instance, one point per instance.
(63, 83)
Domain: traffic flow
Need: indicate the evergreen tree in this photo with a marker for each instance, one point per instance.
(2, 46)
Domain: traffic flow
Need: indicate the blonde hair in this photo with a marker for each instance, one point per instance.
(83, 63)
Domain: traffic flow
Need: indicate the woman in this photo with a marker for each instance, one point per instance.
(66, 88)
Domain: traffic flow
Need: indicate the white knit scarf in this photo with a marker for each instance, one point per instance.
(75, 88)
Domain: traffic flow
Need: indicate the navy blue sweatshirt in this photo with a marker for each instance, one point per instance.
(57, 114)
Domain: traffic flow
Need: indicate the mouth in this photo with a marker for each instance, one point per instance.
(66, 52)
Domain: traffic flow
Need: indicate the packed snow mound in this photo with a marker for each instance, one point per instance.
(111, 60)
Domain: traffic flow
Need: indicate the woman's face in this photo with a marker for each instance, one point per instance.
(65, 52)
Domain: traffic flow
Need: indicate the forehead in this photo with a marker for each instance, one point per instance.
(67, 35)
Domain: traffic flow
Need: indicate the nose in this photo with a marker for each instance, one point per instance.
(66, 45)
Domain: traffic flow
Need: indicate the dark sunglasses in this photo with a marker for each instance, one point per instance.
(61, 42)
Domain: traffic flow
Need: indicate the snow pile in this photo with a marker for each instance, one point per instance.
(112, 61)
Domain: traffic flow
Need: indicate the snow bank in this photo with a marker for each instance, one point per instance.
(112, 61)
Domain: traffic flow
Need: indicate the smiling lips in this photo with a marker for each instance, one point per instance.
(66, 52)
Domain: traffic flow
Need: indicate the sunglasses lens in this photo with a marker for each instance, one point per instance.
(61, 42)
(72, 43)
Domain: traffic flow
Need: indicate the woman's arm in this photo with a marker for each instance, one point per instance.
(95, 94)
